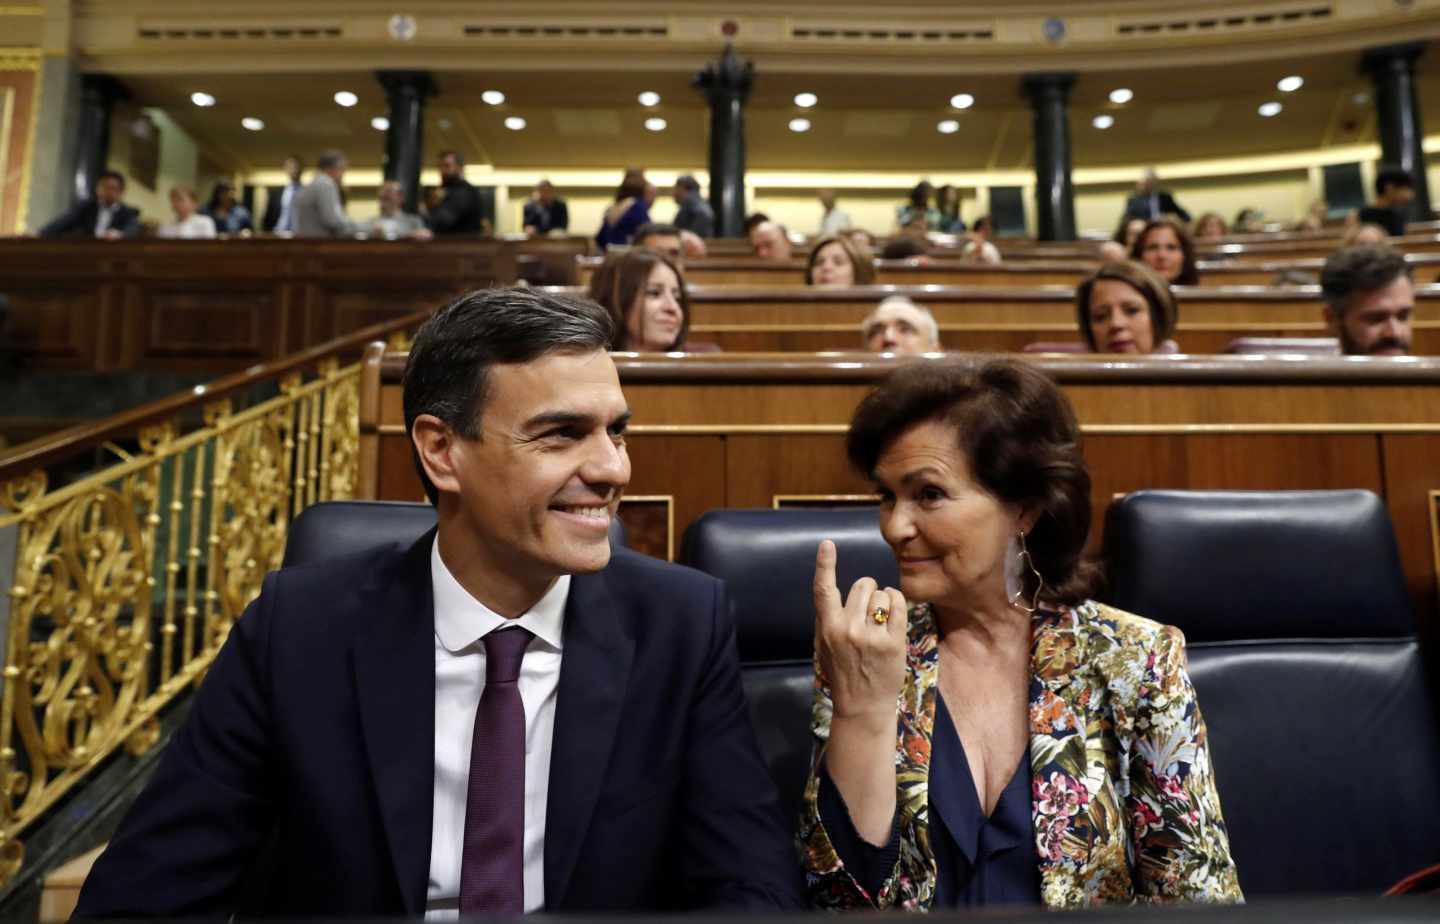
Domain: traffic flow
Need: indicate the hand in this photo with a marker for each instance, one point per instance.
(862, 660)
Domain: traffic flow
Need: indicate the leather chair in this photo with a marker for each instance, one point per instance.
(338, 528)
(1322, 725)
(767, 559)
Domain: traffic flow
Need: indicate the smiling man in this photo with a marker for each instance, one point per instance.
(507, 716)
(1369, 300)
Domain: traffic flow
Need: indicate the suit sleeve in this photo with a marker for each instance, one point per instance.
(1178, 210)
(129, 222)
(453, 209)
(65, 223)
(196, 830)
(332, 213)
(1182, 848)
(562, 216)
(734, 844)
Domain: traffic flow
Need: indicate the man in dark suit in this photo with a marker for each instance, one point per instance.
(1151, 202)
(459, 211)
(1394, 193)
(105, 216)
(546, 212)
(280, 204)
(507, 716)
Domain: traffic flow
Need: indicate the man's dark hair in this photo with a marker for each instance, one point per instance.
(689, 182)
(903, 248)
(329, 159)
(448, 371)
(756, 218)
(459, 158)
(1359, 269)
(299, 161)
(115, 175)
(1391, 175)
(653, 229)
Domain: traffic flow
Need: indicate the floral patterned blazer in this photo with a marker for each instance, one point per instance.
(1123, 797)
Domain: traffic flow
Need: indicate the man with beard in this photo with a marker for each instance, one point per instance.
(1369, 300)
(459, 211)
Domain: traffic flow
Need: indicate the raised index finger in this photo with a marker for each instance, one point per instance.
(827, 595)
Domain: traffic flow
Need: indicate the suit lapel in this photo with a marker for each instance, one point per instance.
(594, 673)
(394, 665)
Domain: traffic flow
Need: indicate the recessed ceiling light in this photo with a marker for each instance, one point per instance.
(1269, 109)
(444, 125)
(1103, 121)
(1290, 84)
(493, 97)
(1360, 98)
(806, 100)
(649, 98)
(655, 125)
(962, 100)
(948, 127)
(203, 100)
(346, 98)
(1121, 95)
(380, 124)
(514, 123)
(252, 123)
(799, 125)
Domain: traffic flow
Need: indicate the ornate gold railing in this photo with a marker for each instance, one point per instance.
(123, 585)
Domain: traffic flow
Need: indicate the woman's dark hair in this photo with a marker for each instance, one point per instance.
(1021, 443)
(617, 285)
(947, 200)
(1120, 229)
(920, 195)
(221, 186)
(1141, 278)
(632, 186)
(1189, 270)
(448, 371)
(903, 248)
(860, 258)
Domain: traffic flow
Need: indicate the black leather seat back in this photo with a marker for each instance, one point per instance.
(767, 559)
(338, 528)
(1321, 722)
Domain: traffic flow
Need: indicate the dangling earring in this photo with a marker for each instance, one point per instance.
(1024, 561)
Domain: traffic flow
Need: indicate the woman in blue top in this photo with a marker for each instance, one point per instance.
(229, 215)
(630, 211)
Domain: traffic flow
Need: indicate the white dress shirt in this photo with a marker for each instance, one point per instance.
(104, 215)
(461, 622)
(196, 227)
(286, 221)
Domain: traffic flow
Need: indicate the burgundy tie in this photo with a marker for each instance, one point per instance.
(492, 879)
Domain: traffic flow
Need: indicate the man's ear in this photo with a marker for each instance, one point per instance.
(435, 444)
(1332, 321)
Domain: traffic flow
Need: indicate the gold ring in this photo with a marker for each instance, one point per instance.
(881, 615)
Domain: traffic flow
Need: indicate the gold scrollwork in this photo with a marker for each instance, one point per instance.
(20, 494)
(340, 461)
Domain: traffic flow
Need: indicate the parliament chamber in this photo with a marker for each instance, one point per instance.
(222, 230)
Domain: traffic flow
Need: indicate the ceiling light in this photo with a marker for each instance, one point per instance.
(493, 97)
(1269, 109)
(1103, 121)
(799, 125)
(649, 98)
(444, 125)
(252, 123)
(948, 127)
(1121, 95)
(203, 100)
(655, 125)
(806, 100)
(962, 100)
(514, 123)
(1360, 98)
(380, 124)
(1290, 84)
(346, 98)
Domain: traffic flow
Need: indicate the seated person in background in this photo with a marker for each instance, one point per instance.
(905, 248)
(459, 209)
(1394, 191)
(320, 207)
(225, 210)
(1051, 750)
(105, 216)
(692, 246)
(918, 213)
(630, 210)
(978, 247)
(546, 212)
(1210, 227)
(947, 201)
(394, 222)
(1126, 308)
(1167, 248)
(1369, 300)
(1315, 217)
(694, 213)
(753, 219)
(838, 261)
(900, 326)
(833, 219)
(1151, 202)
(770, 241)
(1364, 235)
(189, 224)
(660, 238)
(860, 238)
(1120, 243)
(1248, 221)
(644, 291)
(362, 727)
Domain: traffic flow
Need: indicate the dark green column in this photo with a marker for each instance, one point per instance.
(1049, 96)
(1398, 112)
(726, 86)
(98, 95)
(406, 92)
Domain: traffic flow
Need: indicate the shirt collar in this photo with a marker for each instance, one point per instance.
(461, 620)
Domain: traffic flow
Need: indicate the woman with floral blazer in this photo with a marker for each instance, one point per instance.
(1003, 670)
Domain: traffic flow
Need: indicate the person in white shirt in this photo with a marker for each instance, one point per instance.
(394, 222)
(189, 224)
(835, 218)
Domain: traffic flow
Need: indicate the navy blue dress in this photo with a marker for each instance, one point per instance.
(979, 860)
